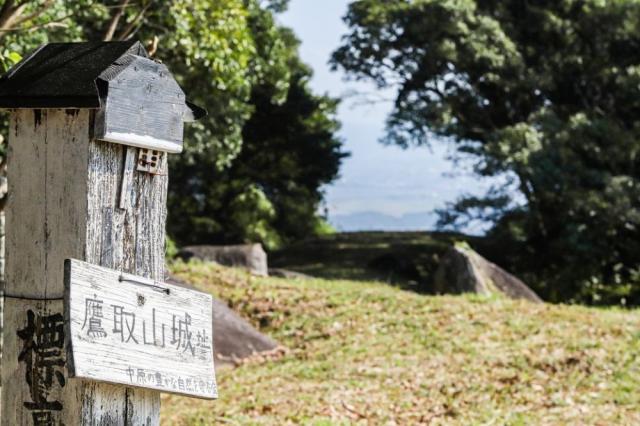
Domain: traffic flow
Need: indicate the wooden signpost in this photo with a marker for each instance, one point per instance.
(75, 195)
(131, 330)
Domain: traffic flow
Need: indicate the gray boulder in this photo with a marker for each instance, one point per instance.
(285, 273)
(462, 270)
(234, 339)
(251, 257)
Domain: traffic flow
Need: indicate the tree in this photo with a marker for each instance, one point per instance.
(272, 190)
(206, 43)
(231, 57)
(545, 92)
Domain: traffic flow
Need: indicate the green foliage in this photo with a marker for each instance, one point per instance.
(322, 228)
(546, 92)
(207, 44)
(211, 49)
(252, 217)
(240, 178)
(9, 59)
(170, 249)
(271, 191)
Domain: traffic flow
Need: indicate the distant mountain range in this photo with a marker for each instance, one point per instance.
(375, 221)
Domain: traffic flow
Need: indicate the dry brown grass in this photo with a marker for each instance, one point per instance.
(371, 354)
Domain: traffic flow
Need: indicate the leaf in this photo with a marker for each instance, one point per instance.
(14, 57)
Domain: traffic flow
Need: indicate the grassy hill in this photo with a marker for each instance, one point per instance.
(370, 353)
(405, 259)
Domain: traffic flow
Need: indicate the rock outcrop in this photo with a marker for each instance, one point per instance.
(251, 257)
(462, 270)
(291, 275)
(234, 339)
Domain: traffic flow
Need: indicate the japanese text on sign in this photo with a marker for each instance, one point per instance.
(131, 330)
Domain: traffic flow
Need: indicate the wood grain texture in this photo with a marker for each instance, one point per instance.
(143, 107)
(127, 177)
(46, 220)
(139, 332)
(64, 203)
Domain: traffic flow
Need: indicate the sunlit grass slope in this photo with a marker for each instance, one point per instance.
(404, 259)
(372, 354)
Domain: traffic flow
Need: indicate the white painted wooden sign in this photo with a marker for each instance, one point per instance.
(135, 331)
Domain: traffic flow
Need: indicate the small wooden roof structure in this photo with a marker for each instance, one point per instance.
(139, 102)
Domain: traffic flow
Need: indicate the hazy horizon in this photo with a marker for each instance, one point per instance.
(376, 178)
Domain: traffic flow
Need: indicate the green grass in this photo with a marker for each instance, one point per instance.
(370, 353)
(405, 259)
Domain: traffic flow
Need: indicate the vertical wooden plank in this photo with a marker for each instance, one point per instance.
(106, 404)
(65, 183)
(152, 192)
(127, 177)
(2, 281)
(46, 215)
(65, 146)
(25, 206)
(24, 131)
(16, 393)
(65, 202)
(127, 240)
(150, 212)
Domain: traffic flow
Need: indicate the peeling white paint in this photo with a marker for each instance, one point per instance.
(142, 141)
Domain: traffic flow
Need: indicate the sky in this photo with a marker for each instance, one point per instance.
(381, 187)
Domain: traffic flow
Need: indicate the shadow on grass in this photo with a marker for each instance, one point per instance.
(403, 259)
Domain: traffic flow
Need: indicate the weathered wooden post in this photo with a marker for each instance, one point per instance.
(91, 126)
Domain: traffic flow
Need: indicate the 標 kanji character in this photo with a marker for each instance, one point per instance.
(43, 341)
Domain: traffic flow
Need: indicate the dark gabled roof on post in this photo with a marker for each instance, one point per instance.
(138, 101)
(62, 75)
